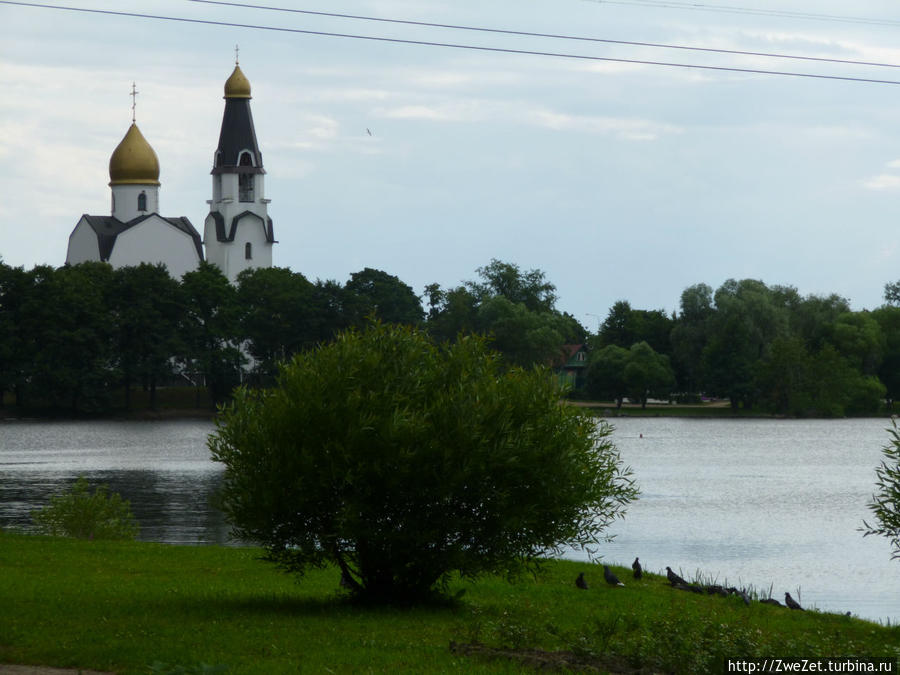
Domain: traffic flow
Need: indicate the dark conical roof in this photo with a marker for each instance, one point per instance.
(237, 135)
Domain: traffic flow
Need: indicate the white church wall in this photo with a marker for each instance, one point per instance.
(230, 256)
(156, 241)
(83, 245)
(125, 201)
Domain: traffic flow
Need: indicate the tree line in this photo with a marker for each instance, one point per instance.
(759, 346)
(84, 337)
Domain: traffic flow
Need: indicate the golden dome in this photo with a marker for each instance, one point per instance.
(133, 162)
(237, 86)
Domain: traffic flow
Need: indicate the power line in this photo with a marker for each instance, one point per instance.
(450, 45)
(556, 36)
(700, 7)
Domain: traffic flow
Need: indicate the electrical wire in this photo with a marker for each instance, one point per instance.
(450, 45)
(700, 7)
(556, 36)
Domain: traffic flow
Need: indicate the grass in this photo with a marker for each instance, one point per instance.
(133, 607)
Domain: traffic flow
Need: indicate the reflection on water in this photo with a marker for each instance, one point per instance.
(747, 502)
(162, 468)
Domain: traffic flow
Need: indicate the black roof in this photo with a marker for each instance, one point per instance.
(108, 228)
(237, 134)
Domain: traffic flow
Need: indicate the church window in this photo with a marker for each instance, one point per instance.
(245, 159)
(142, 201)
(245, 187)
(248, 251)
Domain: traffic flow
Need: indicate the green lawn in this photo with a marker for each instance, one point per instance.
(123, 606)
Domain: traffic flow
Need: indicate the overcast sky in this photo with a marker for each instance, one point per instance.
(619, 180)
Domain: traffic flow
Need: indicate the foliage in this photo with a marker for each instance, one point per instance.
(885, 504)
(84, 514)
(647, 374)
(606, 373)
(401, 461)
(382, 295)
(625, 327)
(210, 330)
(515, 308)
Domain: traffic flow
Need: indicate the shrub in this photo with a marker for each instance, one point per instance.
(401, 461)
(885, 504)
(83, 514)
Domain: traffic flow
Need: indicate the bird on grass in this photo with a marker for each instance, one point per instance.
(637, 569)
(611, 578)
(580, 582)
(771, 601)
(674, 578)
(790, 602)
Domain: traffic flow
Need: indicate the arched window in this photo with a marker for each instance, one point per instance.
(142, 201)
(245, 187)
(248, 251)
(245, 158)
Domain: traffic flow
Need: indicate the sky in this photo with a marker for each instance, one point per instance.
(619, 180)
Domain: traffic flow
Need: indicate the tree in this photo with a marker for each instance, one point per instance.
(66, 315)
(858, 338)
(524, 337)
(647, 374)
(741, 330)
(147, 305)
(606, 374)
(888, 317)
(783, 377)
(276, 306)
(885, 504)
(401, 461)
(689, 336)
(625, 326)
(375, 293)
(529, 288)
(210, 330)
(515, 308)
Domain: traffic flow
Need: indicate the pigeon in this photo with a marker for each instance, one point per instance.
(790, 602)
(611, 578)
(638, 570)
(580, 582)
(674, 578)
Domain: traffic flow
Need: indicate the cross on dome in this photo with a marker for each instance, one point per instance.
(134, 93)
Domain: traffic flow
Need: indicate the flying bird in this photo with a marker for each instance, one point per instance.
(674, 578)
(790, 602)
(368, 131)
(611, 578)
(580, 582)
(637, 569)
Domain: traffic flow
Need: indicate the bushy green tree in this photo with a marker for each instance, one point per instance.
(606, 374)
(885, 504)
(647, 374)
(85, 514)
(401, 461)
(372, 292)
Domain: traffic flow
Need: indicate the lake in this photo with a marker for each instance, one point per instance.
(744, 502)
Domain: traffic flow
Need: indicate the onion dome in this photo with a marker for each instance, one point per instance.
(134, 162)
(237, 86)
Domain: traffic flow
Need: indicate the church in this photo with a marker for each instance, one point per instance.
(237, 233)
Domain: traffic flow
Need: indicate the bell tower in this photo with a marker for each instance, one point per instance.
(238, 231)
